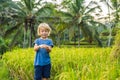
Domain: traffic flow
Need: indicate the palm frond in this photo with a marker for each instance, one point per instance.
(14, 38)
(74, 8)
(66, 14)
(9, 31)
(18, 9)
(79, 3)
(29, 4)
(14, 5)
(87, 17)
(4, 20)
(44, 11)
(93, 9)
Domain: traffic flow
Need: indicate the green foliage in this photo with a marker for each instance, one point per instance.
(67, 64)
(20, 65)
(21, 18)
(3, 46)
(4, 73)
(81, 18)
(116, 49)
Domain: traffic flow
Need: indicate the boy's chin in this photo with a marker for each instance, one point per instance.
(44, 37)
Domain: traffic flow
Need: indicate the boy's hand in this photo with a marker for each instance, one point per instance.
(48, 48)
(41, 46)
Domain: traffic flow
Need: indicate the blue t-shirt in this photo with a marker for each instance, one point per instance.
(42, 55)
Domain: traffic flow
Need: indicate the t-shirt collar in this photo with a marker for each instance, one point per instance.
(43, 39)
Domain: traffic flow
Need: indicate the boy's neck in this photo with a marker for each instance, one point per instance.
(43, 38)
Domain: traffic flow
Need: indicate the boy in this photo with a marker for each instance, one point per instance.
(43, 46)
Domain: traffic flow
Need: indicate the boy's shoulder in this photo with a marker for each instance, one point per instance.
(49, 39)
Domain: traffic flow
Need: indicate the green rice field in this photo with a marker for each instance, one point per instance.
(67, 64)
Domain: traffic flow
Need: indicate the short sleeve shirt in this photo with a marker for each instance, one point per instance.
(42, 56)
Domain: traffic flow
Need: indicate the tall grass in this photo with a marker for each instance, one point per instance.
(4, 73)
(67, 64)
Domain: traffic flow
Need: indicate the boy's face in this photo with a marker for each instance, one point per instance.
(44, 33)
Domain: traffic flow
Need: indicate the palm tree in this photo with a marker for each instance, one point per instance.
(26, 13)
(78, 14)
(111, 22)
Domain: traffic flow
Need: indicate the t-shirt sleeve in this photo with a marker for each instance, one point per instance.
(35, 42)
(51, 43)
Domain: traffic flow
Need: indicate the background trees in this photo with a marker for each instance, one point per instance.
(25, 15)
(74, 19)
(79, 15)
(112, 17)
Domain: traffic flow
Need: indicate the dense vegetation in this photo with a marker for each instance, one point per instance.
(71, 22)
(73, 25)
(116, 49)
(67, 64)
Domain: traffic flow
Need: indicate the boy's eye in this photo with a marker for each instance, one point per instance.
(44, 31)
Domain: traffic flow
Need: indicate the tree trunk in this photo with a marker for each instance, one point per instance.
(24, 41)
(110, 36)
(110, 27)
(30, 35)
(25, 33)
(58, 39)
(78, 35)
(74, 39)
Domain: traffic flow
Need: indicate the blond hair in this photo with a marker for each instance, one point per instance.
(45, 26)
